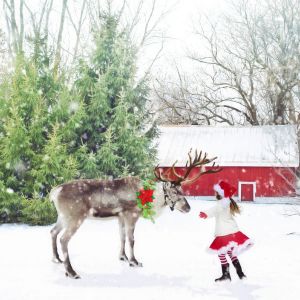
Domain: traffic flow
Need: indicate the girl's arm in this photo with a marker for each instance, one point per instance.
(210, 213)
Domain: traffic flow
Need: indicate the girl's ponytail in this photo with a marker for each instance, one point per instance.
(234, 208)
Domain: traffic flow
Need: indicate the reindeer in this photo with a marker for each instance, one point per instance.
(80, 199)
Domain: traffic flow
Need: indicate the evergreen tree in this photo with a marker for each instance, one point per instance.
(51, 133)
(113, 129)
(37, 128)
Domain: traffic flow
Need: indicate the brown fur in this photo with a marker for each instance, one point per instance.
(77, 200)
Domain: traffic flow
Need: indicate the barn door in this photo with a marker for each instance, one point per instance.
(247, 191)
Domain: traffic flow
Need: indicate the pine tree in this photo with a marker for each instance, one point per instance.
(51, 133)
(39, 117)
(55, 165)
(114, 124)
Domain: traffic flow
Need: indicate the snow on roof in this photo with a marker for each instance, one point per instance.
(263, 146)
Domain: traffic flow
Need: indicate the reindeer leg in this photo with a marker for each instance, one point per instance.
(64, 240)
(123, 255)
(54, 233)
(130, 224)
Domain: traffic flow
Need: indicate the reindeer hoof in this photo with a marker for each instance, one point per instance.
(135, 264)
(123, 258)
(57, 260)
(73, 276)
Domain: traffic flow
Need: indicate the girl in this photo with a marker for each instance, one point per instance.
(229, 240)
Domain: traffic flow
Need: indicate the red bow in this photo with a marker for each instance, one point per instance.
(146, 196)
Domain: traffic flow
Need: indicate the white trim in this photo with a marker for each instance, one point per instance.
(240, 189)
(219, 190)
(237, 249)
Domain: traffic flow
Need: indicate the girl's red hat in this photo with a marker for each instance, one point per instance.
(224, 189)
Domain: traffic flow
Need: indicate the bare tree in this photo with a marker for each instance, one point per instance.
(78, 27)
(29, 26)
(47, 17)
(181, 102)
(59, 37)
(249, 64)
(1, 42)
(141, 20)
(15, 28)
(2, 51)
(39, 32)
(25, 22)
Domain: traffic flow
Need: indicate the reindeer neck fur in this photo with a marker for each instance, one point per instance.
(159, 201)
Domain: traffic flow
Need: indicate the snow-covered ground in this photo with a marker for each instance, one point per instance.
(173, 251)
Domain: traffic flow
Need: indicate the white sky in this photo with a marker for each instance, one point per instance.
(185, 14)
(177, 26)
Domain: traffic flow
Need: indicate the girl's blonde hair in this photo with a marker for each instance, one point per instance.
(234, 208)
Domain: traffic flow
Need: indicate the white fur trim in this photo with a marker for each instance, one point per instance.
(237, 249)
(219, 190)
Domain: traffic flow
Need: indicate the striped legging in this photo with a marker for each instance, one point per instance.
(222, 257)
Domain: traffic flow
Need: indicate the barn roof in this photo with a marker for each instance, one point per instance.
(234, 146)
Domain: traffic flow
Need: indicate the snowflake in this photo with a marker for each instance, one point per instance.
(73, 107)
(20, 167)
(46, 157)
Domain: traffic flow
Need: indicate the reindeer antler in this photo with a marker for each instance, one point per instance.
(199, 161)
(191, 163)
(159, 175)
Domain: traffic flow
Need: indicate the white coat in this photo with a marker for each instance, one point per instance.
(225, 223)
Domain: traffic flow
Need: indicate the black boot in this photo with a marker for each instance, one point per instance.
(225, 274)
(238, 268)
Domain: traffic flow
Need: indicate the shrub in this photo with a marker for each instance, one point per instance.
(38, 212)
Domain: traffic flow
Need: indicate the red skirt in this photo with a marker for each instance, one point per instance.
(237, 242)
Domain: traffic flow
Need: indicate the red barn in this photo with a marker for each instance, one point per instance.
(259, 160)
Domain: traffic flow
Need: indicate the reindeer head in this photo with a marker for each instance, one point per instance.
(172, 181)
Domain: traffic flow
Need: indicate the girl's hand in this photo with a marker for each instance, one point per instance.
(203, 215)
